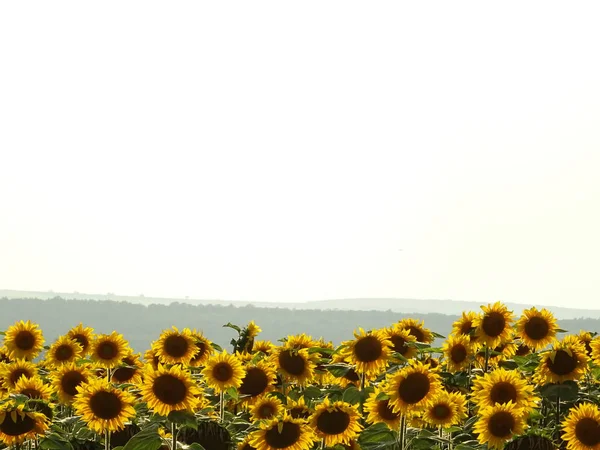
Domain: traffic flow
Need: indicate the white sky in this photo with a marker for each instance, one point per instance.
(285, 151)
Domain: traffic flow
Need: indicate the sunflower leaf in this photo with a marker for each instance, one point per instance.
(184, 418)
(235, 327)
(233, 393)
(55, 442)
(148, 439)
(217, 347)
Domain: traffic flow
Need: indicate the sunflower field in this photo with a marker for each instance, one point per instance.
(496, 381)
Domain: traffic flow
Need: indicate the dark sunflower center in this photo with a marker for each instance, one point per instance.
(81, 340)
(107, 350)
(70, 381)
(169, 389)
(63, 352)
(351, 375)
(458, 353)
(441, 411)
(290, 434)
(501, 424)
(201, 346)
(249, 447)
(417, 333)
(333, 422)
(466, 327)
(414, 388)
(523, 350)
(124, 374)
(503, 392)
(21, 426)
(537, 328)
(293, 364)
(368, 349)
(266, 411)
(385, 411)
(587, 432)
(299, 413)
(31, 393)
(222, 371)
(106, 405)
(588, 347)
(255, 382)
(399, 344)
(563, 363)
(493, 324)
(176, 346)
(25, 340)
(18, 373)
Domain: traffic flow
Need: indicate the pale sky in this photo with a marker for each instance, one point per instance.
(287, 151)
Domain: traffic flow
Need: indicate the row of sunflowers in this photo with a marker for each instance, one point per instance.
(495, 382)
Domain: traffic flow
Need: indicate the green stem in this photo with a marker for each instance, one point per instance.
(401, 430)
(487, 358)
(173, 436)
(222, 406)
(557, 424)
(107, 440)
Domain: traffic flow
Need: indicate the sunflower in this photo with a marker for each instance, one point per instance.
(263, 346)
(585, 337)
(581, 428)
(368, 352)
(175, 347)
(498, 424)
(109, 349)
(298, 409)
(595, 350)
(11, 373)
(66, 379)
(103, 406)
(18, 425)
(502, 386)
(23, 340)
(294, 364)
(522, 349)
(266, 408)
(259, 379)
(496, 355)
(299, 341)
(83, 336)
(204, 347)
(285, 433)
(465, 326)
(458, 352)
(401, 341)
(566, 361)
(130, 370)
(493, 326)
(33, 388)
(245, 444)
(446, 409)
(152, 358)
(63, 351)
(4, 357)
(336, 423)
(253, 329)
(417, 329)
(380, 410)
(537, 329)
(169, 389)
(223, 371)
(413, 387)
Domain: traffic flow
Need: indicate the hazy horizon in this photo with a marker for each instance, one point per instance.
(268, 153)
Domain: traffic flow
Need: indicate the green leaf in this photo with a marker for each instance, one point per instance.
(196, 446)
(382, 396)
(55, 442)
(352, 395)
(565, 391)
(311, 392)
(233, 393)
(338, 369)
(217, 347)
(235, 327)
(183, 417)
(145, 440)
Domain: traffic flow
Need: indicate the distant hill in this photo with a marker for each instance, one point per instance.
(399, 305)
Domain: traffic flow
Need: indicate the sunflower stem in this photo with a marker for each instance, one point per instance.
(222, 406)
(557, 424)
(401, 431)
(106, 440)
(173, 436)
(487, 358)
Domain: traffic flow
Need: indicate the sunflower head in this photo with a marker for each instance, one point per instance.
(151, 358)
(458, 352)
(204, 347)
(223, 371)
(581, 428)
(265, 347)
(266, 408)
(465, 326)
(84, 336)
(23, 340)
(493, 326)
(284, 433)
(67, 378)
(18, 424)
(175, 347)
(169, 389)
(537, 329)
(65, 350)
(566, 361)
(503, 386)
(34, 388)
(401, 341)
(446, 409)
(585, 337)
(109, 349)
(379, 410)
(299, 341)
(369, 352)
(296, 365)
(298, 409)
(259, 379)
(129, 371)
(498, 424)
(417, 329)
(253, 329)
(413, 387)
(336, 422)
(12, 372)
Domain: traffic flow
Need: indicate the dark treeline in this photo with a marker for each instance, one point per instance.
(141, 324)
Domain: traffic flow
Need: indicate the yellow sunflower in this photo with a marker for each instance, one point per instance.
(109, 349)
(493, 326)
(33, 388)
(18, 425)
(175, 347)
(63, 351)
(581, 428)
(223, 371)
(83, 336)
(259, 379)
(285, 433)
(417, 329)
(263, 346)
(296, 365)
(4, 357)
(380, 411)
(537, 329)
(336, 422)
(465, 326)
(24, 340)
(299, 341)
(594, 345)
(401, 339)
(502, 386)
(585, 337)
(103, 407)
(266, 408)
(66, 379)
(496, 355)
(368, 352)
(498, 424)
(130, 370)
(566, 361)
(446, 409)
(458, 352)
(298, 409)
(413, 387)
(204, 349)
(245, 444)
(253, 329)
(169, 389)
(12, 372)
(152, 358)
